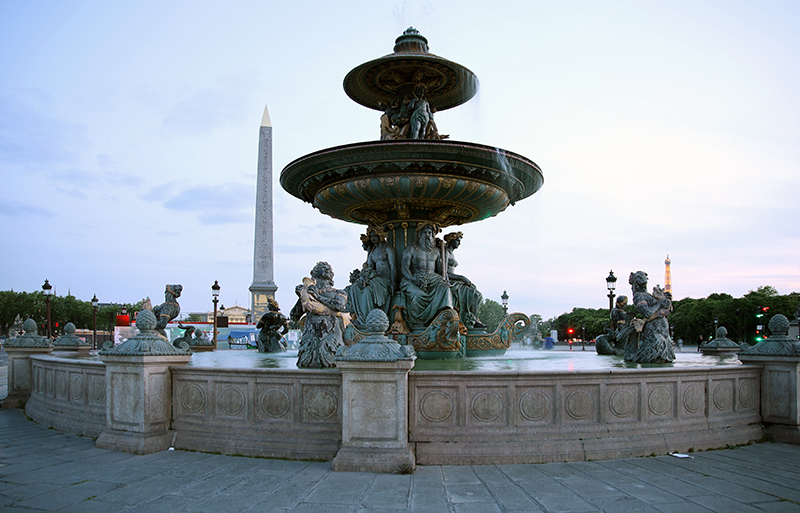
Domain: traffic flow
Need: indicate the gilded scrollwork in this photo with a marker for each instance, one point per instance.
(512, 326)
(372, 217)
(442, 334)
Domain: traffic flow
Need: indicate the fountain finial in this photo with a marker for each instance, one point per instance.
(411, 41)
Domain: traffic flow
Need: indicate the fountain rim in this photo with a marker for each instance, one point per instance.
(313, 164)
(467, 87)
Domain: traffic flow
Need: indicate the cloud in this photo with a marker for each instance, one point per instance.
(204, 111)
(303, 249)
(13, 208)
(215, 204)
(31, 136)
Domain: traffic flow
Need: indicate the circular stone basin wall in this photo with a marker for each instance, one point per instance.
(528, 406)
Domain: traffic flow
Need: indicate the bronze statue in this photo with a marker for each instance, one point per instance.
(655, 344)
(618, 340)
(409, 116)
(184, 342)
(426, 292)
(169, 309)
(421, 116)
(273, 326)
(373, 286)
(466, 296)
(323, 306)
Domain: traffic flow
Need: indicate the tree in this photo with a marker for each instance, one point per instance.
(491, 314)
(694, 317)
(594, 321)
(63, 309)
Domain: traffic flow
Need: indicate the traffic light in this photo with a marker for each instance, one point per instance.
(570, 331)
(761, 311)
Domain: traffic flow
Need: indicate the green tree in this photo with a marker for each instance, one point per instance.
(491, 314)
(695, 317)
(594, 321)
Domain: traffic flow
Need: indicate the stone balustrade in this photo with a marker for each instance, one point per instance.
(68, 394)
(466, 418)
(454, 417)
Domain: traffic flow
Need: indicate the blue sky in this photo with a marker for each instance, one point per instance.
(129, 134)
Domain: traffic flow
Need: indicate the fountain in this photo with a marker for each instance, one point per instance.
(414, 179)
(406, 187)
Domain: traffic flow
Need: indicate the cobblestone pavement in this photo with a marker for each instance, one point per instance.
(45, 470)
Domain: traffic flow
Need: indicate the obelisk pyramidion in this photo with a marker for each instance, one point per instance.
(263, 285)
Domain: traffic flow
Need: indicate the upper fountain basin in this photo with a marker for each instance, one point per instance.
(441, 181)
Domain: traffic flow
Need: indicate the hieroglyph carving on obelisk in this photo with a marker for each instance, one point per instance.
(263, 285)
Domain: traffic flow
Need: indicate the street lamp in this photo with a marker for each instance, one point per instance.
(611, 283)
(47, 288)
(716, 326)
(215, 295)
(504, 298)
(583, 338)
(94, 315)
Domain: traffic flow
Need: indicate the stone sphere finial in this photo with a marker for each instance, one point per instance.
(29, 326)
(146, 320)
(377, 322)
(722, 332)
(779, 325)
(69, 329)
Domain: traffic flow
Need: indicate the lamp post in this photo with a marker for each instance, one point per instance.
(716, 326)
(583, 338)
(215, 299)
(94, 316)
(504, 299)
(47, 288)
(611, 283)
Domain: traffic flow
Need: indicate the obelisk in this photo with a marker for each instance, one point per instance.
(263, 285)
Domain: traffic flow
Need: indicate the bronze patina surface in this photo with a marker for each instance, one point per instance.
(380, 81)
(445, 182)
(409, 185)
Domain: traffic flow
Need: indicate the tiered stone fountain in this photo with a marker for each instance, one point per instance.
(414, 176)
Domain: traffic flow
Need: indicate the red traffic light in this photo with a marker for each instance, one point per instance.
(570, 331)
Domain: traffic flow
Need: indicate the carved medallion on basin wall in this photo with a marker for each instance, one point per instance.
(274, 403)
(535, 405)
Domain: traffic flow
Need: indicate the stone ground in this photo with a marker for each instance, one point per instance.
(44, 470)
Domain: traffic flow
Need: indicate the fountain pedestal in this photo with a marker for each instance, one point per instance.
(780, 395)
(20, 368)
(139, 390)
(374, 417)
(375, 402)
(20, 374)
(779, 357)
(139, 403)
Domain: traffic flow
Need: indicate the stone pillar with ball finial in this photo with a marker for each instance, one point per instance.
(139, 390)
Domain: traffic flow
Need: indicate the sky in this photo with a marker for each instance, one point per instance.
(129, 142)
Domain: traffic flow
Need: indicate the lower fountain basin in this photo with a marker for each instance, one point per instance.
(527, 406)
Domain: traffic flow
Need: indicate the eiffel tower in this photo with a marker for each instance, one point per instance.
(667, 276)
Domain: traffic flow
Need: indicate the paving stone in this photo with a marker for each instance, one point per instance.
(468, 493)
(43, 470)
(459, 475)
(565, 503)
(722, 504)
(227, 502)
(477, 507)
(625, 504)
(341, 488)
(67, 495)
(681, 507)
